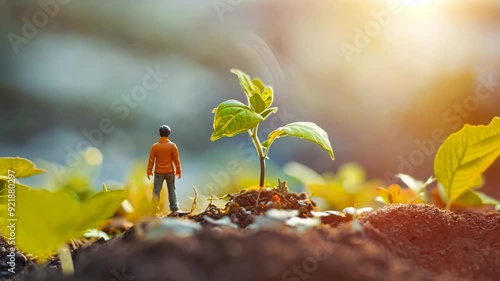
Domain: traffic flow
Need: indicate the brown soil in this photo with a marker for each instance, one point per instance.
(399, 242)
(464, 244)
(244, 206)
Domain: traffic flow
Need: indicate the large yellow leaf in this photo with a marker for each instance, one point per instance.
(43, 221)
(465, 155)
(20, 167)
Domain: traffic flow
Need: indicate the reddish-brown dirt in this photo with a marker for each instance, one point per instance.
(464, 244)
(399, 242)
(327, 254)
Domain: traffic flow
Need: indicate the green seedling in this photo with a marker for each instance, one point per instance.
(44, 221)
(233, 117)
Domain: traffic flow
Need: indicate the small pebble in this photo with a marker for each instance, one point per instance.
(21, 259)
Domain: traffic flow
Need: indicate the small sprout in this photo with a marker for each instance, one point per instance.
(282, 187)
(233, 117)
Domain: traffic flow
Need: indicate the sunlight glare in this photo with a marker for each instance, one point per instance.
(92, 156)
(418, 3)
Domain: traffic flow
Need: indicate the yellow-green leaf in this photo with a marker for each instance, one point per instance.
(258, 104)
(4, 188)
(44, 220)
(233, 117)
(395, 195)
(259, 84)
(302, 172)
(305, 130)
(245, 82)
(465, 155)
(345, 189)
(21, 167)
(473, 198)
(268, 96)
(416, 185)
(96, 209)
(268, 111)
(261, 97)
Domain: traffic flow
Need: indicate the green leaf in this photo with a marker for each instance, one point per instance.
(478, 182)
(302, 172)
(42, 220)
(47, 220)
(259, 84)
(261, 101)
(305, 130)
(465, 155)
(352, 176)
(98, 208)
(268, 96)
(245, 82)
(416, 185)
(473, 198)
(258, 104)
(268, 111)
(233, 117)
(4, 188)
(22, 167)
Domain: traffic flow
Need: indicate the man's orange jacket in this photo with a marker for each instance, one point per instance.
(166, 154)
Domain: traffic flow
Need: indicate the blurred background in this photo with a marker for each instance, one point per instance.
(85, 85)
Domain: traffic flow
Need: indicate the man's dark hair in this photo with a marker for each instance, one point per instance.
(164, 131)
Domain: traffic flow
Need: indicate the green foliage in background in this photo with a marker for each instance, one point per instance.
(44, 220)
(463, 157)
(348, 188)
(415, 193)
(458, 166)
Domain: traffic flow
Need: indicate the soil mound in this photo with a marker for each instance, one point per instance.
(324, 254)
(463, 244)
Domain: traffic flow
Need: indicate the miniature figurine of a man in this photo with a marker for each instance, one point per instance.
(165, 157)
